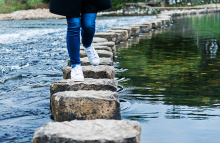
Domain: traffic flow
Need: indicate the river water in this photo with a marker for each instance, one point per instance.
(168, 79)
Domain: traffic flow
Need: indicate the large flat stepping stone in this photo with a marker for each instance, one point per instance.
(109, 36)
(85, 105)
(122, 35)
(88, 84)
(106, 48)
(85, 61)
(95, 72)
(101, 53)
(89, 131)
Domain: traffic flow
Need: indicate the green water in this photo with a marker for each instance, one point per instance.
(169, 81)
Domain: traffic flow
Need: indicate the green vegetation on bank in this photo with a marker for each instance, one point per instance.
(8, 6)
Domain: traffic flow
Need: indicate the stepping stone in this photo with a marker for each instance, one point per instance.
(106, 48)
(123, 28)
(135, 30)
(85, 105)
(88, 84)
(101, 53)
(166, 20)
(85, 61)
(144, 26)
(122, 35)
(98, 40)
(109, 36)
(109, 44)
(164, 16)
(95, 72)
(156, 23)
(89, 131)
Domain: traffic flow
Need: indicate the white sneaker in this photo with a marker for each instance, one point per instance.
(77, 73)
(92, 55)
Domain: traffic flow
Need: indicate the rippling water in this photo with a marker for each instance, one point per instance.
(169, 81)
(33, 53)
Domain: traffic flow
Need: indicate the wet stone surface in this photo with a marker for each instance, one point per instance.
(106, 48)
(92, 131)
(85, 61)
(95, 72)
(85, 105)
(88, 84)
(101, 53)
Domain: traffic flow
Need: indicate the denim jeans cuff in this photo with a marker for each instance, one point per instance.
(86, 46)
(74, 65)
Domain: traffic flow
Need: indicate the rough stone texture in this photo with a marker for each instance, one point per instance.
(109, 36)
(106, 48)
(135, 30)
(164, 16)
(85, 105)
(85, 61)
(166, 20)
(98, 40)
(123, 28)
(109, 44)
(90, 131)
(122, 35)
(95, 72)
(155, 23)
(144, 28)
(88, 84)
(101, 53)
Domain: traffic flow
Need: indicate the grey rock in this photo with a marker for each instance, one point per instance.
(144, 28)
(98, 40)
(106, 48)
(109, 44)
(88, 84)
(123, 28)
(122, 35)
(108, 36)
(101, 53)
(155, 23)
(135, 30)
(166, 21)
(85, 61)
(95, 72)
(85, 105)
(89, 131)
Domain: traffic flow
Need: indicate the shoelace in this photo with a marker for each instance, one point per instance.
(92, 53)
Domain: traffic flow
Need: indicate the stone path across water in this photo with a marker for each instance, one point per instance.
(96, 98)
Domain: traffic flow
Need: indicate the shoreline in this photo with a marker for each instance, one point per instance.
(45, 13)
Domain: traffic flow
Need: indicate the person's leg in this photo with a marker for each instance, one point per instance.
(88, 28)
(87, 32)
(73, 40)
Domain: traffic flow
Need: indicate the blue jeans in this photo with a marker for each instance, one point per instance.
(87, 24)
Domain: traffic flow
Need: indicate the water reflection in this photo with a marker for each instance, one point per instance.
(173, 73)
